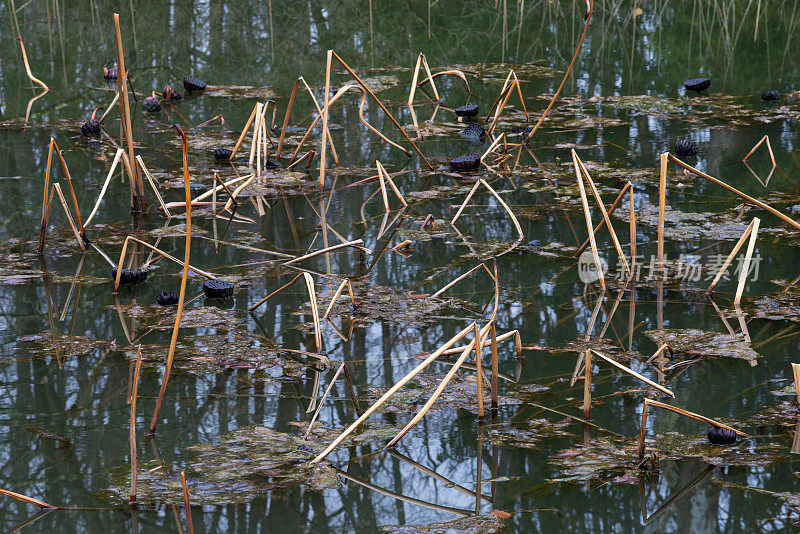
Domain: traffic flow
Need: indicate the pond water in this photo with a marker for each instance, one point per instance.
(69, 342)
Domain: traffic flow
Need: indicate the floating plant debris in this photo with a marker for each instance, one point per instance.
(222, 154)
(467, 110)
(218, 289)
(721, 436)
(473, 134)
(167, 298)
(697, 84)
(771, 96)
(685, 148)
(192, 83)
(129, 277)
(169, 94)
(467, 162)
(703, 343)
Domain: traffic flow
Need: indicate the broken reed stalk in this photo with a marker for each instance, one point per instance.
(31, 77)
(632, 217)
(438, 391)
(611, 210)
(312, 295)
(377, 101)
(322, 401)
(284, 286)
(505, 94)
(345, 283)
(662, 198)
(731, 256)
(566, 75)
(495, 195)
(484, 343)
(153, 184)
(796, 372)
(110, 174)
(479, 372)
(26, 499)
(189, 523)
(745, 267)
(369, 411)
(109, 107)
(286, 117)
(634, 374)
(588, 217)
(658, 352)
(735, 191)
(430, 77)
(495, 365)
(157, 251)
(45, 204)
(358, 243)
(244, 132)
(454, 72)
(680, 411)
(182, 294)
(587, 385)
(457, 280)
(382, 184)
(132, 427)
(769, 148)
(325, 114)
(421, 61)
(137, 187)
(388, 178)
(71, 222)
(492, 146)
(606, 219)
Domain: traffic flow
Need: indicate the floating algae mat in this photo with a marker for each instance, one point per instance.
(354, 254)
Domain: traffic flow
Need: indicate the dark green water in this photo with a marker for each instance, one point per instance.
(83, 397)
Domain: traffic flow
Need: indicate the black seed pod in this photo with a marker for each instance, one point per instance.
(167, 298)
(771, 96)
(697, 84)
(110, 73)
(685, 148)
(222, 154)
(151, 104)
(217, 289)
(191, 83)
(468, 162)
(721, 436)
(170, 94)
(90, 127)
(129, 277)
(468, 110)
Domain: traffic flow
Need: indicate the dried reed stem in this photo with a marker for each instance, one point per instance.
(454, 72)
(478, 371)
(495, 365)
(67, 176)
(796, 372)
(31, 77)
(414, 81)
(606, 217)
(769, 148)
(634, 374)
(181, 296)
(505, 207)
(632, 218)
(110, 174)
(457, 280)
(26, 499)
(137, 187)
(286, 117)
(662, 196)
(358, 243)
(685, 413)
(388, 178)
(735, 191)
(587, 385)
(566, 74)
(345, 283)
(325, 114)
(312, 295)
(658, 352)
(369, 411)
(377, 101)
(153, 184)
(189, 523)
(132, 426)
(745, 267)
(430, 77)
(731, 256)
(110, 107)
(244, 131)
(484, 343)
(71, 222)
(265, 299)
(322, 401)
(588, 218)
(45, 203)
